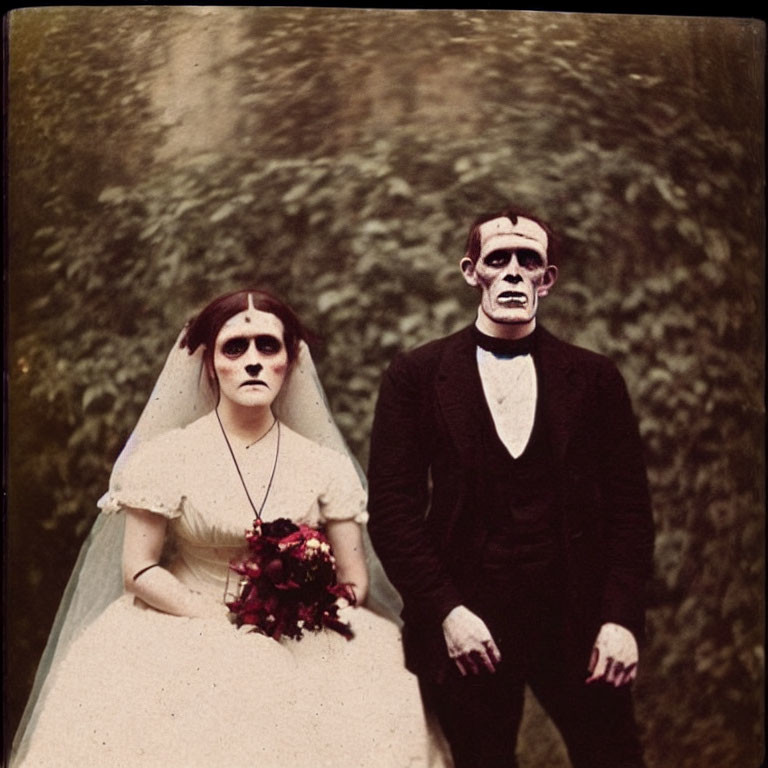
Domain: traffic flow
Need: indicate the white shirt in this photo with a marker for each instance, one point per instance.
(510, 388)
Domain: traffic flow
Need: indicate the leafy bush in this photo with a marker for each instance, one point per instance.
(348, 153)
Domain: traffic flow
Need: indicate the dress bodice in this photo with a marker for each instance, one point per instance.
(189, 476)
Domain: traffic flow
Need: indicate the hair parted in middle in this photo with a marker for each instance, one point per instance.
(204, 328)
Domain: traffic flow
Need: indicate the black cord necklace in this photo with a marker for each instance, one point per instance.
(259, 439)
(258, 511)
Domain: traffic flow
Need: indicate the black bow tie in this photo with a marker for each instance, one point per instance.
(504, 347)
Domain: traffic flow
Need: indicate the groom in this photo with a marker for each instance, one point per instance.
(509, 506)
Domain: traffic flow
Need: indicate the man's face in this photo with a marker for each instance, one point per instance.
(250, 358)
(512, 270)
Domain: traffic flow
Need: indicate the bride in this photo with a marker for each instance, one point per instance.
(144, 666)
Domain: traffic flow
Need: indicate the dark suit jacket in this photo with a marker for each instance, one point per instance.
(426, 452)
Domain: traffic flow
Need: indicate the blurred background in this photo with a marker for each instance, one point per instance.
(158, 156)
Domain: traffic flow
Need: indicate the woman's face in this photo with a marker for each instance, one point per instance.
(250, 359)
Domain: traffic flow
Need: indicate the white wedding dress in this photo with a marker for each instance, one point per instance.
(139, 688)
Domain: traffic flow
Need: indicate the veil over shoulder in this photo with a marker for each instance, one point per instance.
(181, 395)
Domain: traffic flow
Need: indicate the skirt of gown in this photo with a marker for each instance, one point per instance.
(142, 689)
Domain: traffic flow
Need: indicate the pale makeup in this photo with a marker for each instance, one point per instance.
(250, 358)
(512, 273)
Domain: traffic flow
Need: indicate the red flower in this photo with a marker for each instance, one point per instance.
(288, 582)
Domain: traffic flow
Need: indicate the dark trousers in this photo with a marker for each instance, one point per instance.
(481, 714)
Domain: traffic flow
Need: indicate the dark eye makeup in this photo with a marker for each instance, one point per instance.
(526, 258)
(270, 345)
(265, 343)
(497, 258)
(235, 347)
(529, 258)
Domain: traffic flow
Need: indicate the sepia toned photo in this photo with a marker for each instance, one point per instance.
(385, 388)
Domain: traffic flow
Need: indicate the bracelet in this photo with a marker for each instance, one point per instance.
(144, 570)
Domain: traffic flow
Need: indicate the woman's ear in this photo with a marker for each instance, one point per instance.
(467, 267)
(210, 372)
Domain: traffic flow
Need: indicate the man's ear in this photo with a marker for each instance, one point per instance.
(467, 267)
(547, 281)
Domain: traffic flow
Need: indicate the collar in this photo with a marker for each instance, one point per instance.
(504, 347)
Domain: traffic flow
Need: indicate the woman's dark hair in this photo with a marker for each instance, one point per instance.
(204, 328)
(513, 213)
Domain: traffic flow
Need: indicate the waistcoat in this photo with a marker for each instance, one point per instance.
(517, 512)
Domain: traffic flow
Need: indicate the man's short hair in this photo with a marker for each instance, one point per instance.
(513, 213)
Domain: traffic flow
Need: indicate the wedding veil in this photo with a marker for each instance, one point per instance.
(180, 396)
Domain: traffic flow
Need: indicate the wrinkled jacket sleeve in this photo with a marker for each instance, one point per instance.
(399, 495)
(627, 504)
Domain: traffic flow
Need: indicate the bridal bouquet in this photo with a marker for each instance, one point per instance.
(288, 582)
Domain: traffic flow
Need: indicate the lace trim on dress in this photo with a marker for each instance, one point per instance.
(113, 503)
(344, 497)
(337, 513)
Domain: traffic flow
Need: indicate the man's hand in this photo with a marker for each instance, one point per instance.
(614, 656)
(469, 642)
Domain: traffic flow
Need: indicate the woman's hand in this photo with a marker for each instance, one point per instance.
(346, 540)
(144, 577)
(203, 606)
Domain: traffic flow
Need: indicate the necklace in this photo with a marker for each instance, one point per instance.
(262, 437)
(258, 511)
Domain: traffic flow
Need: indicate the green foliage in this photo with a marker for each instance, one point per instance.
(353, 150)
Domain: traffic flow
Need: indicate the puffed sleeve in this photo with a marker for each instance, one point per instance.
(344, 497)
(148, 476)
